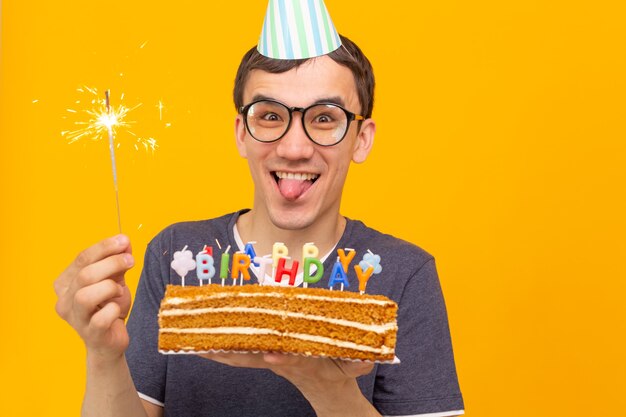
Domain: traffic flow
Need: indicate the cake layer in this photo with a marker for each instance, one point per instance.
(194, 342)
(334, 304)
(294, 320)
(266, 340)
(297, 323)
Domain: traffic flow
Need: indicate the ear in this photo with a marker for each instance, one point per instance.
(364, 142)
(240, 134)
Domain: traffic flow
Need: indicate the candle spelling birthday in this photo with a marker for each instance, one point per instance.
(245, 261)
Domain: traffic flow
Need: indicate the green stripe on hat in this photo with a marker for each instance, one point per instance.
(327, 35)
(274, 30)
(304, 48)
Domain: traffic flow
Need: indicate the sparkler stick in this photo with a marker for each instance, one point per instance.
(109, 125)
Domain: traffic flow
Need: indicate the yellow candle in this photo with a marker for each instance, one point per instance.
(363, 276)
(309, 250)
(346, 259)
(279, 250)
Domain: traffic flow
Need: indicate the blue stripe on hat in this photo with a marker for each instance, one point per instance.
(315, 28)
(263, 41)
(286, 33)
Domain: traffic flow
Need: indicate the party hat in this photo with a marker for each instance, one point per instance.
(297, 29)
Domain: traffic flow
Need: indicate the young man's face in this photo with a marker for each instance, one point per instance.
(319, 173)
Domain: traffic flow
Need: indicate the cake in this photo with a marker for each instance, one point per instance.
(253, 318)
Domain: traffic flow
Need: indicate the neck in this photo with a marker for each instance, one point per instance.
(253, 226)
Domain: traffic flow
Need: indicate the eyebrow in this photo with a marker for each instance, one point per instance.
(334, 99)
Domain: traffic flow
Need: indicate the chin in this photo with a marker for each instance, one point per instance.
(291, 219)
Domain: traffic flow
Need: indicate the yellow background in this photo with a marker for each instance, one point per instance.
(500, 149)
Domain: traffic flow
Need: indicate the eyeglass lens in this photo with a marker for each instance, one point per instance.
(325, 124)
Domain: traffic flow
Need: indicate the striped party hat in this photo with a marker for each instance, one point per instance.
(297, 29)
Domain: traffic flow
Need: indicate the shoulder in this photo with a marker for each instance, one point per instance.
(194, 234)
(393, 247)
(401, 261)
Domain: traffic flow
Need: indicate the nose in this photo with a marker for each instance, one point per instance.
(295, 145)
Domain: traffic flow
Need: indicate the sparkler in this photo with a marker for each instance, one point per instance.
(103, 121)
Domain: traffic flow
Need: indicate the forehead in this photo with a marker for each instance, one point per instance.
(312, 81)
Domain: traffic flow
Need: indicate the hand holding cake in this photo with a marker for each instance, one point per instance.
(318, 379)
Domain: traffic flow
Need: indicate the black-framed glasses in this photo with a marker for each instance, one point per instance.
(326, 124)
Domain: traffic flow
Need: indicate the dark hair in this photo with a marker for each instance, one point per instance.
(348, 55)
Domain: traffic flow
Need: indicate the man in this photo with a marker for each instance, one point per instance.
(300, 124)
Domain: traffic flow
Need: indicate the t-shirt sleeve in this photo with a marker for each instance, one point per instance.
(147, 366)
(425, 381)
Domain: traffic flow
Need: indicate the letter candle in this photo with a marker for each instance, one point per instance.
(224, 265)
(204, 264)
(371, 265)
(249, 250)
(241, 263)
(309, 256)
(282, 270)
(263, 262)
(346, 259)
(279, 250)
(338, 275)
(363, 277)
(306, 271)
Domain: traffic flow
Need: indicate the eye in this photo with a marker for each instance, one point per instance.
(323, 118)
(271, 117)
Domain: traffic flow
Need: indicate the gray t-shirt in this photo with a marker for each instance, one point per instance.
(424, 382)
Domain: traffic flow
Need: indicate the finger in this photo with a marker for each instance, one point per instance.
(354, 369)
(129, 249)
(102, 320)
(281, 359)
(245, 360)
(101, 250)
(87, 299)
(124, 300)
(112, 267)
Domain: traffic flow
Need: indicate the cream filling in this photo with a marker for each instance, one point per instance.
(181, 300)
(310, 338)
(362, 326)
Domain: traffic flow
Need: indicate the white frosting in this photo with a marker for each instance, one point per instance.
(254, 330)
(367, 327)
(181, 300)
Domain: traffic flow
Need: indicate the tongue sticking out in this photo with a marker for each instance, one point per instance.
(293, 189)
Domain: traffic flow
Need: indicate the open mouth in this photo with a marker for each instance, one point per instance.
(292, 185)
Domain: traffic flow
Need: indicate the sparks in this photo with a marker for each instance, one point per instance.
(100, 118)
(160, 107)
